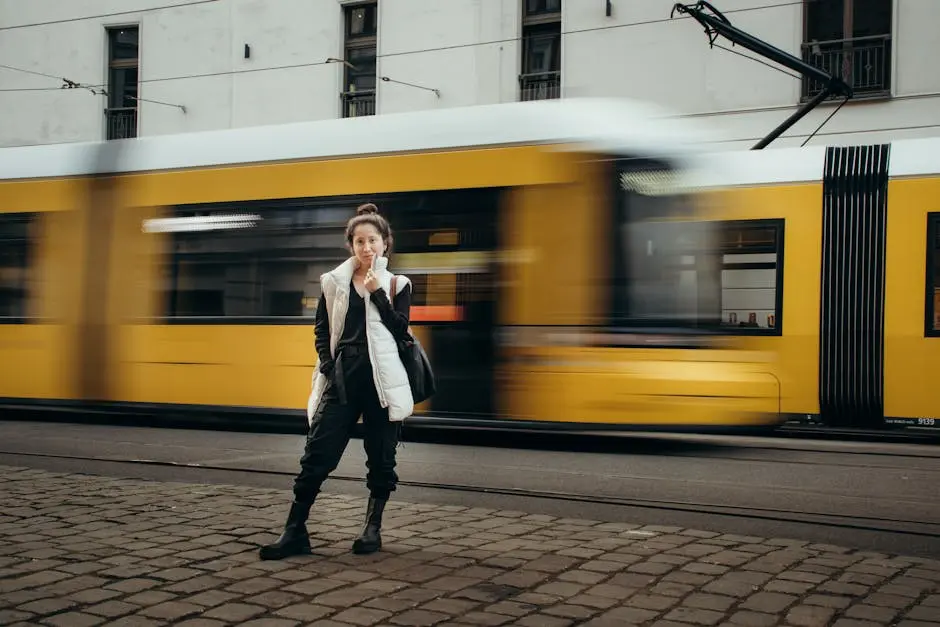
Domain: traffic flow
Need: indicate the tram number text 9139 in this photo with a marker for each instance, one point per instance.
(926, 422)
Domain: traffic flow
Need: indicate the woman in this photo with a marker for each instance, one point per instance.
(358, 373)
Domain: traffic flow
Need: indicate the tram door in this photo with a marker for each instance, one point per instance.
(445, 241)
(852, 308)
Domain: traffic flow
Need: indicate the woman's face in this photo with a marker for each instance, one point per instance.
(367, 243)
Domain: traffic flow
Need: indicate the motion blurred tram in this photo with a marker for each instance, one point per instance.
(577, 264)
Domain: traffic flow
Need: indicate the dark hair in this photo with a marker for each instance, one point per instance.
(369, 214)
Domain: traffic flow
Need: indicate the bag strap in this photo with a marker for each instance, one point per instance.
(392, 300)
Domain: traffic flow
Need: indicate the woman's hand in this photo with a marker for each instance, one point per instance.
(371, 282)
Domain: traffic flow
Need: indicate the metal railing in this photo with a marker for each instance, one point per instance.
(862, 62)
(540, 86)
(358, 103)
(122, 122)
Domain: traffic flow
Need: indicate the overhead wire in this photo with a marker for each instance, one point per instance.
(836, 110)
(403, 52)
(102, 15)
(33, 72)
(756, 60)
(66, 83)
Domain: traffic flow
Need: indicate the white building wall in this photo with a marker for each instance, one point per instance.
(472, 53)
(73, 49)
(467, 49)
(298, 33)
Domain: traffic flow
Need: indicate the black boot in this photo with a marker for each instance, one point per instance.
(294, 540)
(370, 540)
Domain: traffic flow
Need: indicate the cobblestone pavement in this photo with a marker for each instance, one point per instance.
(79, 550)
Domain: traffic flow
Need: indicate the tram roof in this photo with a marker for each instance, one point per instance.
(791, 165)
(607, 126)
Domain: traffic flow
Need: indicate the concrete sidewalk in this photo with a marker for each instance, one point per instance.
(80, 550)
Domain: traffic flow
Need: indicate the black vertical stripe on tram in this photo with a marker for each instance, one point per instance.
(851, 356)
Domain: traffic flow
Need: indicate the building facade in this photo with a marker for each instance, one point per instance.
(108, 69)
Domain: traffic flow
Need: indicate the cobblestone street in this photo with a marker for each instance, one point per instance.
(79, 550)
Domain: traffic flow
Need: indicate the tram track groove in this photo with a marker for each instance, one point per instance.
(779, 515)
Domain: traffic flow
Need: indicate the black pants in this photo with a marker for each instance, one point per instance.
(332, 426)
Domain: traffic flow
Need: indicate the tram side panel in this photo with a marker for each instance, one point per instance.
(771, 283)
(912, 307)
(192, 326)
(221, 317)
(42, 276)
(155, 355)
(555, 270)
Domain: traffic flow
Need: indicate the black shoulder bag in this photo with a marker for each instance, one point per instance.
(415, 360)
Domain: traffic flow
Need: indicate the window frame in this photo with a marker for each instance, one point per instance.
(355, 42)
(544, 25)
(809, 87)
(540, 16)
(779, 226)
(347, 17)
(932, 251)
(535, 34)
(121, 64)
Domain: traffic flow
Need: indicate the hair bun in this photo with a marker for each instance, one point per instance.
(366, 209)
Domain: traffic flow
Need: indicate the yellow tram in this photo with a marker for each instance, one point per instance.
(570, 270)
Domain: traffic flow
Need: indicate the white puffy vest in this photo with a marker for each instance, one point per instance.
(388, 373)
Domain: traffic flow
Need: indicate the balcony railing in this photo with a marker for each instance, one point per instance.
(122, 122)
(863, 62)
(540, 86)
(358, 103)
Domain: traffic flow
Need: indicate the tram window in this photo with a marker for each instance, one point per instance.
(667, 271)
(261, 262)
(16, 240)
(752, 276)
(249, 261)
(933, 275)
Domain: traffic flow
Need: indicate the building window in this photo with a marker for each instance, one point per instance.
(541, 50)
(933, 275)
(16, 240)
(752, 276)
(121, 113)
(359, 71)
(850, 39)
